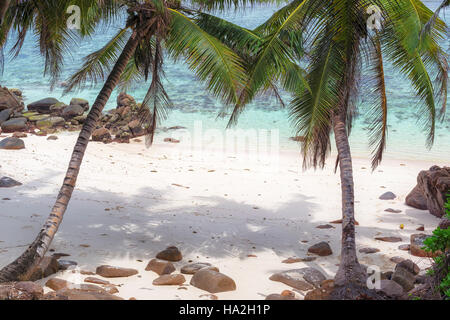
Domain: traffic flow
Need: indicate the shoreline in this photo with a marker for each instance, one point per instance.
(132, 202)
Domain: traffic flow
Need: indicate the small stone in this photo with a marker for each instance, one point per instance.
(52, 138)
(321, 249)
(396, 259)
(160, 267)
(115, 272)
(421, 228)
(291, 260)
(192, 268)
(171, 140)
(389, 239)
(212, 281)
(96, 281)
(391, 288)
(404, 247)
(369, 250)
(19, 135)
(387, 196)
(325, 226)
(170, 254)
(276, 296)
(12, 144)
(169, 280)
(393, 210)
(7, 182)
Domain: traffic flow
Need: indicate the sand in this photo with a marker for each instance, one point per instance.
(132, 202)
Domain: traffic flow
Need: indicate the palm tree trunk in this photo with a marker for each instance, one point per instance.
(22, 267)
(350, 280)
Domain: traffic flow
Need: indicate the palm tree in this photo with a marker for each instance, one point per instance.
(334, 37)
(136, 51)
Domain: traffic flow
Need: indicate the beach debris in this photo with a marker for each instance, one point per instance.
(291, 260)
(193, 268)
(277, 296)
(302, 279)
(387, 196)
(369, 250)
(7, 182)
(160, 267)
(393, 210)
(444, 224)
(170, 254)
(212, 281)
(107, 271)
(321, 249)
(12, 144)
(169, 280)
(430, 191)
(389, 239)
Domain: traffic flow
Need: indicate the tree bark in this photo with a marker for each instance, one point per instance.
(350, 280)
(22, 267)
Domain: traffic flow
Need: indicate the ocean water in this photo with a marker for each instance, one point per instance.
(194, 105)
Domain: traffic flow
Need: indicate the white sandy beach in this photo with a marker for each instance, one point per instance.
(132, 202)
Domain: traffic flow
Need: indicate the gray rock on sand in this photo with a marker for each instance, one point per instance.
(321, 249)
(169, 280)
(388, 196)
(302, 279)
(42, 106)
(212, 281)
(192, 268)
(393, 210)
(12, 144)
(115, 272)
(160, 267)
(7, 182)
(170, 254)
(72, 111)
(14, 125)
(80, 102)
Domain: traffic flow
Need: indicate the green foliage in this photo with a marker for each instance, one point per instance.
(440, 242)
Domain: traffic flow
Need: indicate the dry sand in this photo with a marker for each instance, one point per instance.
(131, 203)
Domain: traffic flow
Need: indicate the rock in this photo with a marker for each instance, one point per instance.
(115, 272)
(7, 182)
(387, 275)
(302, 279)
(160, 267)
(38, 117)
(80, 119)
(5, 114)
(195, 267)
(321, 249)
(421, 228)
(390, 288)
(171, 140)
(432, 184)
(47, 267)
(111, 289)
(387, 196)
(50, 122)
(389, 239)
(410, 266)
(101, 134)
(12, 144)
(416, 199)
(393, 210)
(444, 224)
(57, 284)
(58, 108)
(9, 101)
(325, 226)
(19, 135)
(396, 259)
(170, 254)
(52, 138)
(404, 278)
(42, 106)
(25, 290)
(404, 247)
(14, 125)
(212, 281)
(136, 128)
(416, 246)
(66, 264)
(125, 100)
(80, 102)
(291, 260)
(72, 111)
(77, 294)
(276, 296)
(169, 280)
(322, 293)
(369, 250)
(96, 281)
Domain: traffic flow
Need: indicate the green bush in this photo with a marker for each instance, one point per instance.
(440, 242)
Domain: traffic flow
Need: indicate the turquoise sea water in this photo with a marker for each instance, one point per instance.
(192, 103)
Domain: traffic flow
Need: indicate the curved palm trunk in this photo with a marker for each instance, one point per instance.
(22, 267)
(350, 280)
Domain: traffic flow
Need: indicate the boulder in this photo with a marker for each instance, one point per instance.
(101, 134)
(5, 114)
(136, 128)
(58, 108)
(57, 284)
(8, 100)
(404, 278)
(387, 196)
(390, 288)
(160, 267)
(410, 266)
(12, 144)
(321, 249)
(42, 106)
(115, 272)
(25, 290)
(170, 254)
(431, 189)
(50, 122)
(169, 280)
(416, 246)
(80, 102)
(193, 268)
(72, 111)
(47, 267)
(302, 279)
(125, 100)
(14, 125)
(7, 182)
(212, 281)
